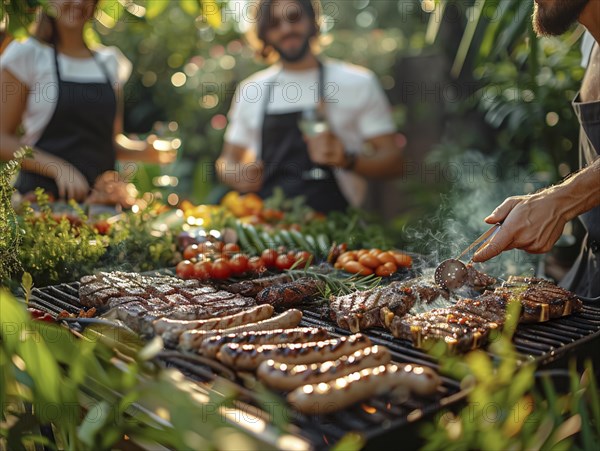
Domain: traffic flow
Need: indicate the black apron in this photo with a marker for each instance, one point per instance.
(584, 277)
(79, 132)
(287, 164)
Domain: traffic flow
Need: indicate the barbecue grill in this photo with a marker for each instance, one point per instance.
(548, 344)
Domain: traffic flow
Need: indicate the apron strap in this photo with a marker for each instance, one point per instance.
(102, 67)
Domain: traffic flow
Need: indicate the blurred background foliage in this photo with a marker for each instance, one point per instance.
(463, 76)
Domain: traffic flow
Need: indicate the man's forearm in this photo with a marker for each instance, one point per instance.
(579, 193)
(383, 163)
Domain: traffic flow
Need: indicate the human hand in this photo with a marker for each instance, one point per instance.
(326, 149)
(532, 223)
(249, 177)
(70, 182)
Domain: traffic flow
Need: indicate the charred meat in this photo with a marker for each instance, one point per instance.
(291, 293)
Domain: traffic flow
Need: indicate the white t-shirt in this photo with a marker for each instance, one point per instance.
(355, 105)
(32, 62)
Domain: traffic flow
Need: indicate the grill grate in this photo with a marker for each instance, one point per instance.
(379, 418)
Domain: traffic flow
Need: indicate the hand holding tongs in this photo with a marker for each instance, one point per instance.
(452, 273)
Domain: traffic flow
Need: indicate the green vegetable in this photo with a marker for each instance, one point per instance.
(252, 234)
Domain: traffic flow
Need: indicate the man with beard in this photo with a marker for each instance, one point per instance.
(269, 142)
(536, 221)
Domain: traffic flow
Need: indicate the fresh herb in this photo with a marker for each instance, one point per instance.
(10, 233)
(57, 248)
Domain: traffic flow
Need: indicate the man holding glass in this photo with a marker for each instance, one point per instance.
(313, 127)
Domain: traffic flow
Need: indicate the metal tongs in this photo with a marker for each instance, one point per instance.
(452, 273)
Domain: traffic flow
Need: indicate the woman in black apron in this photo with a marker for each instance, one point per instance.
(78, 143)
(287, 163)
(79, 132)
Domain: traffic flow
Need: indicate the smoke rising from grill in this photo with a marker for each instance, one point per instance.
(477, 185)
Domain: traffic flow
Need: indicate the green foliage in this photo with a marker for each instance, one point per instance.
(139, 242)
(46, 366)
(52, 248)
(10, 234)
(506, 410)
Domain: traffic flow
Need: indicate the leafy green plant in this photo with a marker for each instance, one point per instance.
(137, 244)
(10, 234)
(91, 393)
(52, 248)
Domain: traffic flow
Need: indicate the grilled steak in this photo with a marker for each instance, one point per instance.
(140, 300)
(97, 290)
(291, 293)
(420, 331)
(252, 287)
(477, 279)
(489, 306)
(372, 308)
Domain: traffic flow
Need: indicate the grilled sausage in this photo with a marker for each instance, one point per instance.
(190, 340)
(174, 327)
(340, 393)
(248, 357)
(286, 377)
(210, 347)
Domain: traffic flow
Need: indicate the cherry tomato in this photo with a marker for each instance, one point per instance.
(218, 246)
(102, 227)
(369, 260)
(356, 268)
(361, 253)
(375, 251)
(231, 248)
(191, 251)
(185, 269)
(284, 262)
(239, 264)
(386, 270)
(269, 256)
(256, 265)
(220, 269)
(202, 270)
(302, 258)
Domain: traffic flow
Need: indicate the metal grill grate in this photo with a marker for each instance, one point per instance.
(379, 418)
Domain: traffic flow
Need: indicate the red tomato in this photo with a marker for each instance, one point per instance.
(284, 262)
(256, 265)
(269, 256)
(191, 251)
(218, 245)
(185, 269)
(220, 269)
(302, 258)
(102, 227)
(202, 270)
(239, 264)
(231, 248)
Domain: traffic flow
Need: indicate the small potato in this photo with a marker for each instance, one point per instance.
(386, 257)
(386, 270)
(356, 268)
(403, 260)
(370, 261)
